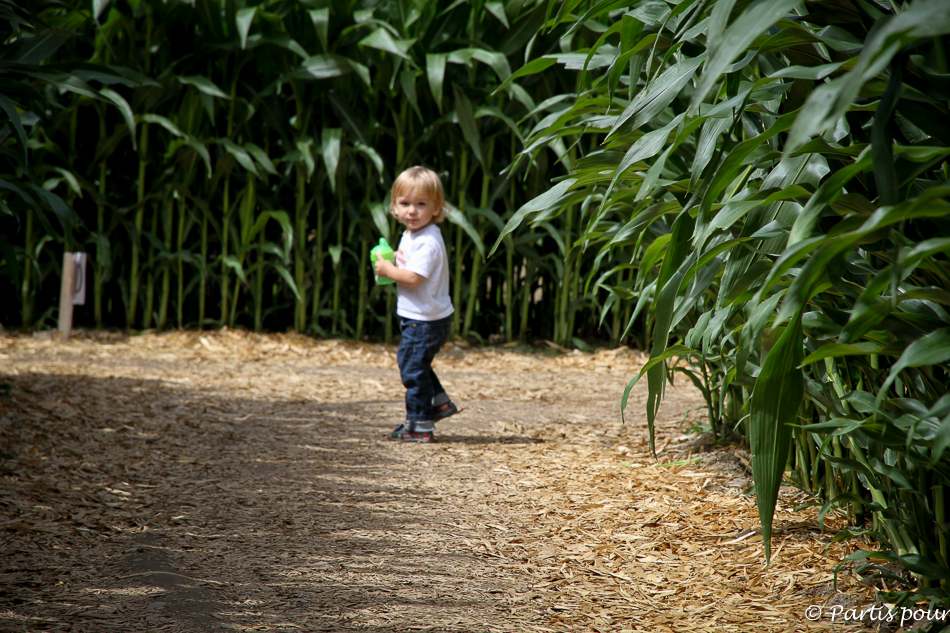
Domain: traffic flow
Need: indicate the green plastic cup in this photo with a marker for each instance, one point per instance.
(386, 251)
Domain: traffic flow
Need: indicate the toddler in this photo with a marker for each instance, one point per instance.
(421, 273)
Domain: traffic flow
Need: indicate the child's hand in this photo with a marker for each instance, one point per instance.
(401, 276)
(383, 267)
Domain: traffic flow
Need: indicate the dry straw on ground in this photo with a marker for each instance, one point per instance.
(228, 481)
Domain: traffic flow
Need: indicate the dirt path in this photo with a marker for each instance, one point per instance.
(237, 482)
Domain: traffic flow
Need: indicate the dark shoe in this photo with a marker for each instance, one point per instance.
(402, 435)
(444, 411)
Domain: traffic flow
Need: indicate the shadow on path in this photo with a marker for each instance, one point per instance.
(145, 504)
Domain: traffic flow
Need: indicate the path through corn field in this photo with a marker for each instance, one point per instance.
(227, 481)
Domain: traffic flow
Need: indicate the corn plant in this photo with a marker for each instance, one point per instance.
(317, 107)
(775, 174)
(32, 207)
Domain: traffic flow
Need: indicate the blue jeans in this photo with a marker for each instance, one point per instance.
(420, 342)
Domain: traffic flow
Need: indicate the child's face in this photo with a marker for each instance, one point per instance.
(415, 210)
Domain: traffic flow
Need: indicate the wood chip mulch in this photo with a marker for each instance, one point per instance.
(229, 481)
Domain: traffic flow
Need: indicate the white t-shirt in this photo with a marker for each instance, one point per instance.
(423, 253)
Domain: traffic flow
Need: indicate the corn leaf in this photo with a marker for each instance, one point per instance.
(776, 399)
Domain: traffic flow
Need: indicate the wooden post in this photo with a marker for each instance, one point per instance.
(66, 296)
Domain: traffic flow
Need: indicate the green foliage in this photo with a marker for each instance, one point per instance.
(774, 177)
(28, 186)
(177, 138)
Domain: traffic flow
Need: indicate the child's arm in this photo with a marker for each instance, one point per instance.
(401, 276)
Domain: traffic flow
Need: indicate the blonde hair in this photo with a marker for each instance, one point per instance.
(420, 179)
